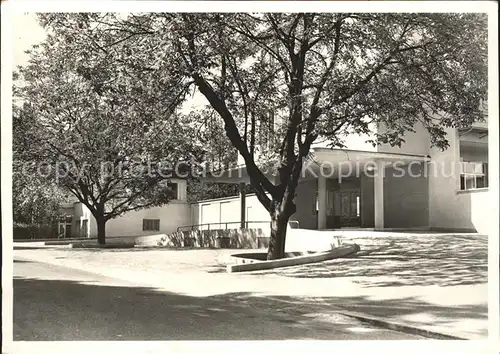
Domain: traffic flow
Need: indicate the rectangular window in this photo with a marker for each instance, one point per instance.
(480, 182)
(173, 186)
(473, 175)
(150, 224)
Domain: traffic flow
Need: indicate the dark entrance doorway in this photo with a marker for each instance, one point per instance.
(343, 203)
(347, 207)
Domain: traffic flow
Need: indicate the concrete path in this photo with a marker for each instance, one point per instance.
(437, 284)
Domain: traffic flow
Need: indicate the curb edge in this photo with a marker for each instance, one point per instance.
(395, 326)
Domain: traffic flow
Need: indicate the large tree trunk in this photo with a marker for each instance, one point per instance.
(101, 230)
(279, 223)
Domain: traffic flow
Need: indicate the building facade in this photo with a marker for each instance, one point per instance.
(412, 187)
(76, 221)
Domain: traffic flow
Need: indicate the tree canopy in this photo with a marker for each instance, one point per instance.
(108, 136)
(281, 81)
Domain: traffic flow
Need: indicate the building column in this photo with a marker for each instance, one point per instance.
(322, 195)
(378, 195)
(243, 205)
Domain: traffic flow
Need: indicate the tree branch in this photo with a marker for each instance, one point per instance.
(259, 180)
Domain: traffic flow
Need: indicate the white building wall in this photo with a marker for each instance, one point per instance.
(353, 141)
(228, 210)
(443, 185)
(416, 143)
(406, 195)
(475, 208)
(81, 213)
(171, 216)
(305, 200)
(449, 207)
(195, 214)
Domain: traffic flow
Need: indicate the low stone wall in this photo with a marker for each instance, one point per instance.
(301, 240)
(298, 258)
(149, 240)
(231, 238)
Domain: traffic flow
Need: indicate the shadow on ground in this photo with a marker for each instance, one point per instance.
(69, 310)
(22, 261)
(399, 261)
(141, 249)
(21, 248)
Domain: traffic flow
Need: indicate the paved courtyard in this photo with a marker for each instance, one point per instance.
(167, 259)
(433, 282)
(443, 260)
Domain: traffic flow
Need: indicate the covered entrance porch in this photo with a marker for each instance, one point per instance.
(351, 189)
(364, 189)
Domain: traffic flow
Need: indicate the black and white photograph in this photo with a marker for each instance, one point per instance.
(285, 171)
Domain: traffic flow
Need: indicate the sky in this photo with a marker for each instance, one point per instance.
(26, 32)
